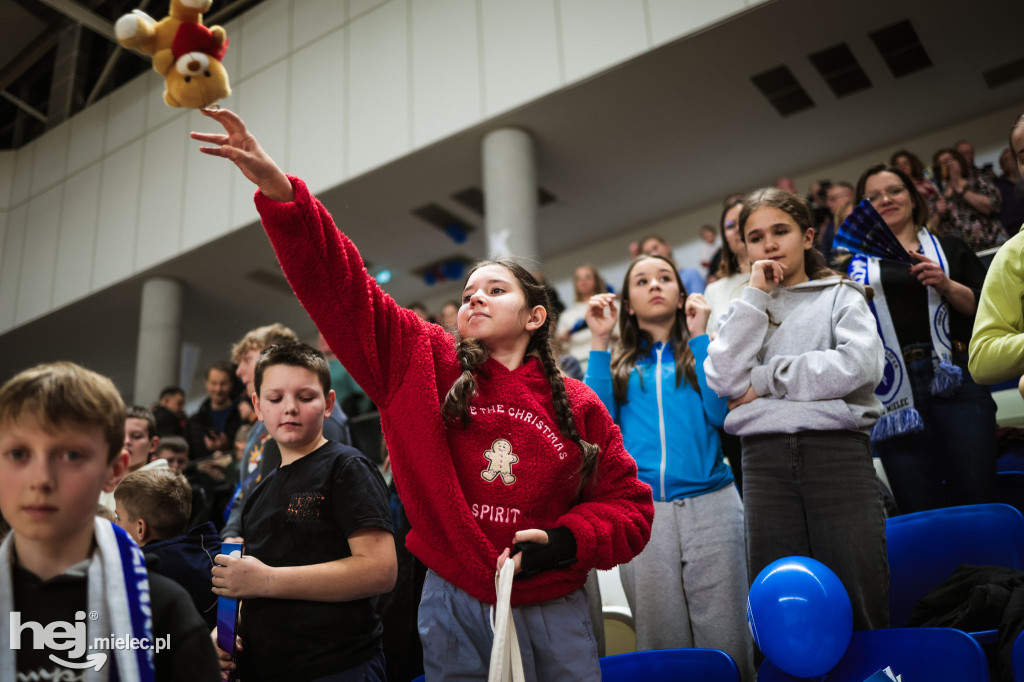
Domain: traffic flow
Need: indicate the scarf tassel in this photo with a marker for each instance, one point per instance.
(947, 378)
(907, 420)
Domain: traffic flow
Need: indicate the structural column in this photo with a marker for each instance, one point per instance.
(157, 362)
(510, 194)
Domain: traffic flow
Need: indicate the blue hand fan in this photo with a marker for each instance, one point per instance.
(866, 233)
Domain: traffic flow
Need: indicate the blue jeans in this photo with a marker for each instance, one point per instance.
(815, 494)
(953, 460)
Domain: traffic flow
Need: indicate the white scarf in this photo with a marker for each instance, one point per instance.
(118, 589)
(895, 391)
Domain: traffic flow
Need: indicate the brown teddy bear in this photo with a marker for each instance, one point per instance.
(187, 54)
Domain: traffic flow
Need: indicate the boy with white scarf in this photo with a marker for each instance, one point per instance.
(74, 588)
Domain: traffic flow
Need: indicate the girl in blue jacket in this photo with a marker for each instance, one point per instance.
(688, 587)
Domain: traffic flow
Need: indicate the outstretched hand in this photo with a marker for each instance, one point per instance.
(239, 146)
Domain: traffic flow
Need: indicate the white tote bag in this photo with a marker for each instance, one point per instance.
(506, 661)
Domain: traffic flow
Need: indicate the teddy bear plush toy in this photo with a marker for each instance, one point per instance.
(187, 54)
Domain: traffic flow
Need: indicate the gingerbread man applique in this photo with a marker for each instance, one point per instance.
(500, 459)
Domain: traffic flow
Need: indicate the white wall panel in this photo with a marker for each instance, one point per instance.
(157, 111)
(10, 264)
(263, 102)
(312, 19)
(39, 255)
(445, 68)
(51, 158)
(163, 177)
(7, 159)
(126, 113)
(521, 56)
(87, 133)
(265, 36)
(22, 181)
(671, 19)
(77, 240)
(359, 7)
(118, 216)
(209, 182)
(317, 111)
(378, 105)
(599, 33)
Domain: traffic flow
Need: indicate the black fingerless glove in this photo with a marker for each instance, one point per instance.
(559, 551)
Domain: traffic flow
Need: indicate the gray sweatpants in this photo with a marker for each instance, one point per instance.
(688, 588)
(556, 638)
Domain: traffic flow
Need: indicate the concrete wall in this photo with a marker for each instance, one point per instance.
(335, 87)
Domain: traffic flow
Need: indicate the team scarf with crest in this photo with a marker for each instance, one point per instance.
(119, 607)
(895, 391)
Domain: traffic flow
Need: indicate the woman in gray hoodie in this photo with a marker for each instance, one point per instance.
(799, 356)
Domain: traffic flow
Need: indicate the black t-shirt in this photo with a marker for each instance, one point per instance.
(191, 655)
(302, 514)
(908, 299)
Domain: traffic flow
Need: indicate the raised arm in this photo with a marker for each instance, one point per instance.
(372, 336)
(733, 354)
(855, 362)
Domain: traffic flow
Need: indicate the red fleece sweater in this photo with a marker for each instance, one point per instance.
(466, 490)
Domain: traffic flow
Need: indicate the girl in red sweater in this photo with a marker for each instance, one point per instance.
(496, 454)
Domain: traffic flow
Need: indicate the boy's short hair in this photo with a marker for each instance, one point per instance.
(140, 412)
(171, 390)
(296, 355)
(261, 337)
(175, 444)
(59, 393)
(160, 497)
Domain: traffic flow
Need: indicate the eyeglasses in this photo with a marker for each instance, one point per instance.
(893, 192)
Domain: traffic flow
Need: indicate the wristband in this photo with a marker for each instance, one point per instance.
(559, 551)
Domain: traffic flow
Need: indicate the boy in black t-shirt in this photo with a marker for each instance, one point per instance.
(318, 539)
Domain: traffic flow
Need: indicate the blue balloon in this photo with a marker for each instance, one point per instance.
(800, 616)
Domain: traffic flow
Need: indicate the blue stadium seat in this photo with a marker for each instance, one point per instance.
(681, 665)
(677, 665)
(932, 654)
(925, 548)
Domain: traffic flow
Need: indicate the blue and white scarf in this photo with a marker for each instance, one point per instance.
(119, 606)
(895, 391)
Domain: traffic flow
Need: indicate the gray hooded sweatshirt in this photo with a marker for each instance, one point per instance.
(811, 351)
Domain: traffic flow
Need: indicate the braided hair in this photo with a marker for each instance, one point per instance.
(472, 354)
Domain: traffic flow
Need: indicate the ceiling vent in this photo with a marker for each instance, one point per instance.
(782, 90)
(840, 69)
(473, 198)
(455, 227)
(1004, 73)
(901, 49)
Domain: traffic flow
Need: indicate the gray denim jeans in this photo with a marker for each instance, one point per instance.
(815, 494)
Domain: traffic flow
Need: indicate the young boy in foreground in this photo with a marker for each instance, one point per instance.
(71, 583)
(318, 539)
